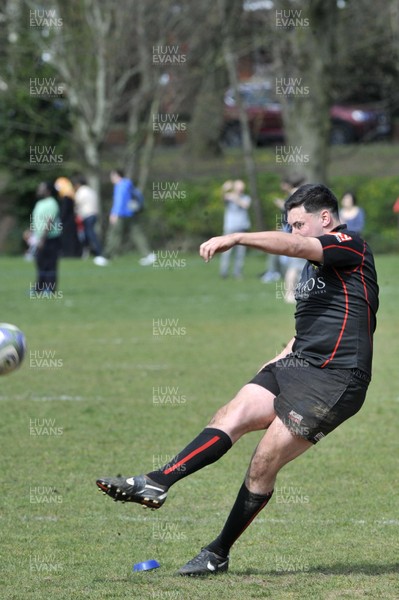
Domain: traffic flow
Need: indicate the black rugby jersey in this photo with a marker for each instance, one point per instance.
(337, 302)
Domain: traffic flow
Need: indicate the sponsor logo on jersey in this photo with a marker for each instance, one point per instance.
(316, 285)
(342, 237)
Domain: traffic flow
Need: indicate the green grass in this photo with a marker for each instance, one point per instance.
(61, 539)
(377, 158)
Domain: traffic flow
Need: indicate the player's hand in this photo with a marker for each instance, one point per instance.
(217, 244)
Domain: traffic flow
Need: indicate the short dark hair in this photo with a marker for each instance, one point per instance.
(45, 189)
(79, 179)
(119, 172)
(313, 197)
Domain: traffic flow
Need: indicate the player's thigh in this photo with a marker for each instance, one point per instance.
(251, 409)
(279, 445)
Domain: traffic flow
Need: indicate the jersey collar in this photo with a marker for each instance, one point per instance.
(340, 227)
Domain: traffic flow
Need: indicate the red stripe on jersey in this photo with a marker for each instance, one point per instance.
(343, 248)
(343, 323)
(215, 439)
(366, 295)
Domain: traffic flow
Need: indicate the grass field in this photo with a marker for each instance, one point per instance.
(88, 402)
(377, 159)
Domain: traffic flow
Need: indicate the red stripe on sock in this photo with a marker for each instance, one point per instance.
(252, 518)
(215, 439)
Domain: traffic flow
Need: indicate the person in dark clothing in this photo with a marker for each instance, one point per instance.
(46, 231)
(70, 244)
(317, 382)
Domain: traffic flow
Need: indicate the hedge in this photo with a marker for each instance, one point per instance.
(198, 213)
(185, 217)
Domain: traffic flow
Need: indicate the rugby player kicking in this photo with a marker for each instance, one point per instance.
(318, 381)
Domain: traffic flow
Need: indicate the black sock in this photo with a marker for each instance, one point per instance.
(206, 448)
(245, 509)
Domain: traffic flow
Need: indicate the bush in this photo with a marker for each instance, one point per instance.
(377, 197)
(198, 214)
(184, 219)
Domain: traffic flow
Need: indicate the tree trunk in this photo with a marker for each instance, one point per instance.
(247, 146)
(147, 153)
(207, 121)
(305, 54)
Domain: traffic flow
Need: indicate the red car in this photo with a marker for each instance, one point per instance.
(349, 123)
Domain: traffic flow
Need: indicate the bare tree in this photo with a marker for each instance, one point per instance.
(151, 34)
(91, 50)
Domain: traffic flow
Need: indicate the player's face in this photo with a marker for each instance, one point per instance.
(304, 223)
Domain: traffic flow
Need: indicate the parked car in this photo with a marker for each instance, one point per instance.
(349, 123)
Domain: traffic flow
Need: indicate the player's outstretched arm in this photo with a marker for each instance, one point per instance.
(272, 242)
(217, 244)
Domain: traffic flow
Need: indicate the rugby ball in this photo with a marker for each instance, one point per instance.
(12, 348)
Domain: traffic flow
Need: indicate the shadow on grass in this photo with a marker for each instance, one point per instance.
(334, 569)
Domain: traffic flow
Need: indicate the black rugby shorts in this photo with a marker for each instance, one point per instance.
(311, 401)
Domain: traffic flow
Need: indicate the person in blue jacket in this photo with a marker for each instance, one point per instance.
(124, 219)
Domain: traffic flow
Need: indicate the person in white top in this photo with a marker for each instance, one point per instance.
(87, 209)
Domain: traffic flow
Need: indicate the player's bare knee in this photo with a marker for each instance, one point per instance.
(219, 417)
(263, 470)
(263, 461)
(230, 419)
